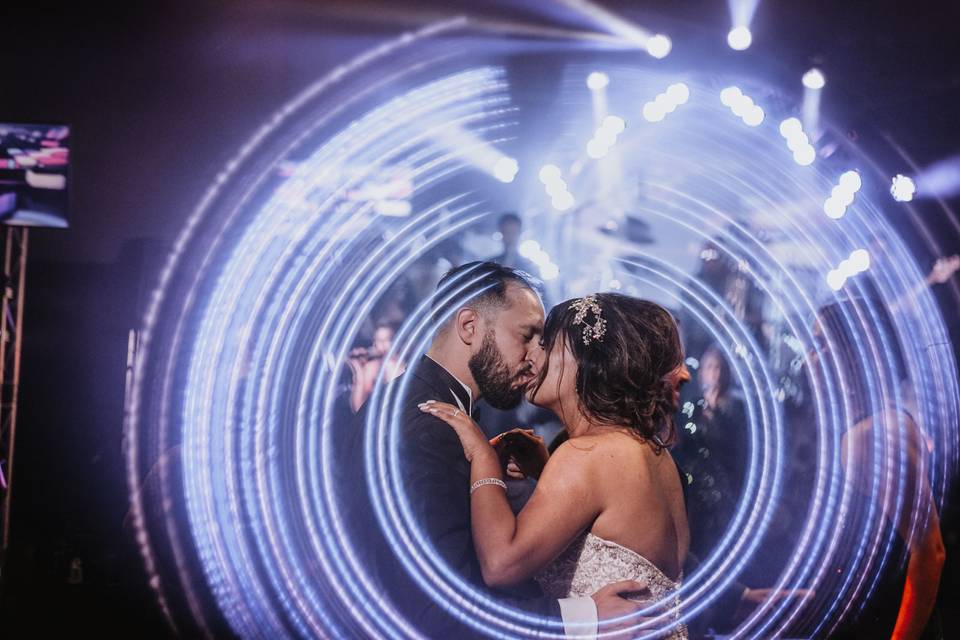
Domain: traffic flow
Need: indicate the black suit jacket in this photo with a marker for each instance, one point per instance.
(436, 477)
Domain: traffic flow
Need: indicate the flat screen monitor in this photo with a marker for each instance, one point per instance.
(34, 174)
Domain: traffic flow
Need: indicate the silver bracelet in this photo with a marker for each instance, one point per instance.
(479, 483)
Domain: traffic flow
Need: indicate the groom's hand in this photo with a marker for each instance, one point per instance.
(524, 449)
(613, 609)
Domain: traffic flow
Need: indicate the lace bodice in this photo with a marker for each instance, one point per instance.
(590, 563)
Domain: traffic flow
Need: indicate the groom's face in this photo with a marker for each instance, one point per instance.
(503, 363)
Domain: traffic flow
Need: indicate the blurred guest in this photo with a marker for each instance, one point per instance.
(712, 450)
(511, 227)
(397, 303)
(366, 362)
(902, 605)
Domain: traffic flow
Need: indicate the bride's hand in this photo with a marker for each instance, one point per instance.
(471, 437)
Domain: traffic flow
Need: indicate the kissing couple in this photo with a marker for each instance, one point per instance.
(604, 534)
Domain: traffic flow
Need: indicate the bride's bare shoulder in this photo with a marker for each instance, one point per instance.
(600, 449)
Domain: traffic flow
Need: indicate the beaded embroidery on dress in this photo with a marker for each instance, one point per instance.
(590, 563)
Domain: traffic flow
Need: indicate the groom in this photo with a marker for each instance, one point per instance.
(484, 347)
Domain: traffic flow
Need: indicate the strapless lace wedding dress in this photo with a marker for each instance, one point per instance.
(590, 563)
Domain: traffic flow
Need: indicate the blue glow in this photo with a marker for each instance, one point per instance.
(258, 308)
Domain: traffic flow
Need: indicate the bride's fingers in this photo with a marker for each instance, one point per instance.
(441, 409)
(513, 470)
(454, 416)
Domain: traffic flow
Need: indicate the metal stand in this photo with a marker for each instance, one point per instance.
(11, 298)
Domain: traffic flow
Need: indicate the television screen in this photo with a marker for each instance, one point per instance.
(34, 169)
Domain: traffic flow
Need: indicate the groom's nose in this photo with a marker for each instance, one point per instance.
(535, 357)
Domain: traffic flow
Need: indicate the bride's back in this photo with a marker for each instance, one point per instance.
(611, 370)
(643, 506)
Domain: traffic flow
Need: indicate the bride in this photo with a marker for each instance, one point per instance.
(609, 504)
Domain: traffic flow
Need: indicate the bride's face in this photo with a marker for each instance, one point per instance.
(560, 379)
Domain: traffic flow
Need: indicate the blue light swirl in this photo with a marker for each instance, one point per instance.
(268, 288)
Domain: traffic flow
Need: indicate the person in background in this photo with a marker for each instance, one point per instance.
(902, 606)
(366, 362)
(712, 451)
(511, 227)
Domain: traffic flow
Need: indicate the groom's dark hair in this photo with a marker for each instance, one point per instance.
(479, 284)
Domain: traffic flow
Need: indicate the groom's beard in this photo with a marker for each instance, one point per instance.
(496, 383)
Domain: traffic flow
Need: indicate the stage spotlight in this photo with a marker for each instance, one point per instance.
(851, 181)
(560, 198)
(678, 92)
(834, 208)
(859, 260)
(902, 188)
(813, 83)
(814, 79)
(739, 38)
(836, 279)
(803, 152)
(505, 170)
(666, 102)
(754, 116)
(549, 271)
(614, 124)
(555, 187)
(549, 173)
(742, 106)
(659, 46)
(653, 113)
(730, 96)
(790, 128)
(597, 80)
(656, 44)
(805, 156)
(596, 149)
(529, 248)
(605, 137)
(842, 195)
(562, 201)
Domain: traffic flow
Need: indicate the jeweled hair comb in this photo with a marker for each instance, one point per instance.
(591, 332)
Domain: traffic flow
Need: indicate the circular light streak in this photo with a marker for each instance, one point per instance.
(266, 290)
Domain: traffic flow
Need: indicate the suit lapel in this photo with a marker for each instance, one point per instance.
(448, 388)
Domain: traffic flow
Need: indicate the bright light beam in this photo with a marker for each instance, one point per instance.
(657, 45)
(813, 83)
(741, 14)
(939, 180)
(475, 151)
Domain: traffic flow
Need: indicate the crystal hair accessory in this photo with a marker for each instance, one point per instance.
(591, 332)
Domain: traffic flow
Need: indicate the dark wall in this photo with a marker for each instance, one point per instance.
(160, 98)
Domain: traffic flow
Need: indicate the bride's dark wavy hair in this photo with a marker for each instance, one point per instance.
(623, 378)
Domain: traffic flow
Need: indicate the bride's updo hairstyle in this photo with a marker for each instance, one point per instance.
(624, 375)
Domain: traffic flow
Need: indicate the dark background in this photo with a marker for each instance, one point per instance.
(161, 98)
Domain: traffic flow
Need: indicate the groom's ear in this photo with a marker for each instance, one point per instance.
(467, 324)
